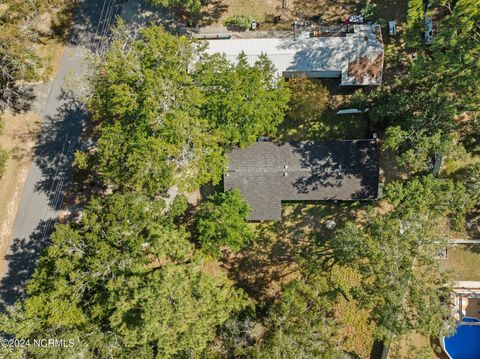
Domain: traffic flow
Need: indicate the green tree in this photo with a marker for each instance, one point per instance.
(396, 255)
(17, 63)
(420, 122)
(243, 101)
(415, 24)
(222, 220)
(192, 6)
(424, 103)
(167, 112)
(456, 49)
(19, 31)
(308, 101)
(472, 181)
(127, 276)
(152, 135)
(369, 11)
(300, 324)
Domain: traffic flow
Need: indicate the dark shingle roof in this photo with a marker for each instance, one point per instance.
(267, 173)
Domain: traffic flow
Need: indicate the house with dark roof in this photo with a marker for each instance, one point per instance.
(268, 173)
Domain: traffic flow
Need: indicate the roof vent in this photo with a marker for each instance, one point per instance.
(285, 174)
(286, 167)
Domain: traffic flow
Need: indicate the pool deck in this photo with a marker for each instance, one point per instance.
(466, 300)
(466, 309)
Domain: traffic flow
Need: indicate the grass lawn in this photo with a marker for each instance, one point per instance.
(325, 124)
(464, 262)
(329, 127)
(413, 346)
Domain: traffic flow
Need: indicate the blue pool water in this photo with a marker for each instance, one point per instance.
(465, 342)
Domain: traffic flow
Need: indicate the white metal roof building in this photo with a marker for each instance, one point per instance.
(357, 58)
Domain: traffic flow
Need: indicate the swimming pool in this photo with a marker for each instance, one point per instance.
(465, 342)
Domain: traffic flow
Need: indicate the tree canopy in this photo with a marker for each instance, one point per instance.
(421, 108)
(308, 101)
(167, 111)
(192, 6)
(126, 274)
(222, 220)
(300, 325)
(242, 101)
(396, 255)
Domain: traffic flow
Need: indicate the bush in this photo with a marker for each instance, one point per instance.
(359, 100)
(3, 161)
(382, 23)
(192, 6)
(242, 22)
(3, 153)
(369, 11)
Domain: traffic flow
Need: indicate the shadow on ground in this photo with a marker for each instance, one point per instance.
(22, 257)
(53, 155)
(56, 145)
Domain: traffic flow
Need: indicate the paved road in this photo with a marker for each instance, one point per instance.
(50, 171)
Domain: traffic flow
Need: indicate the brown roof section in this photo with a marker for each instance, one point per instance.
(267, 173)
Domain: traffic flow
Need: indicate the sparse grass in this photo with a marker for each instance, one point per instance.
(412, 346)
(464, 262)
(329, 11)
(451, 167)
(356, 329)
(323, 124)
(272, 259)
(329, 127)
(3, 161)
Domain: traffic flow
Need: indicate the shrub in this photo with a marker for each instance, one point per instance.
(3, 161)
(3, 153)
(369, 11)
(242, 22)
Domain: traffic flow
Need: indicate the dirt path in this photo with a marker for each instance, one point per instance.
(19, 138)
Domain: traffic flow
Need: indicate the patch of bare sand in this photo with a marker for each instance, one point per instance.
(270, 261)
(19, 138)
(330, 11)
